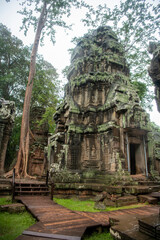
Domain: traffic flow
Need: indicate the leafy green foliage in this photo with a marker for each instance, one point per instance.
(12, 225)
(46, 91)
(142, 91)
(14, 69)
(135, 23)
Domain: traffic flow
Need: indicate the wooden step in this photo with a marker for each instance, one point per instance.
(31, 187)
(31, 192)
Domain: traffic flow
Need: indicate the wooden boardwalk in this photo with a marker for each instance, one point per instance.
(56, 222)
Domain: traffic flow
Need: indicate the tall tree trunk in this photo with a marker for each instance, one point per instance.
(22, 160)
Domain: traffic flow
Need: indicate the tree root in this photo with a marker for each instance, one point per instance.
(18, 176)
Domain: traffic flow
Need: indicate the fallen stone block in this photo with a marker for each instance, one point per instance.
(101, 196)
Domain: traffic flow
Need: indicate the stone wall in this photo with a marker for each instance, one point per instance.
(7, 116)
(101, 126)
(154, 150)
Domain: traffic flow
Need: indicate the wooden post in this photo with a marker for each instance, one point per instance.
(52, 190)
(13, 185)
(47, 178)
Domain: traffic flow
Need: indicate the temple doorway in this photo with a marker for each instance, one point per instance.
(135, 158)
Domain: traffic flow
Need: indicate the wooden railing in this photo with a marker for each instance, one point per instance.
(52, 184)
(52, 190)
(47, 176)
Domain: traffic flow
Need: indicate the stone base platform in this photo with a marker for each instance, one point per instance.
(150, 226)
(126, 227)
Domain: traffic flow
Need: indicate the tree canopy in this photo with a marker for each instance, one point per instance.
(14, 68)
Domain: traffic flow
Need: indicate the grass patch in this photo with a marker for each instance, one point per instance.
(12, 225)
(76, 205)
(88, 206)
(5, 201)
(126, 207)
(99, 236)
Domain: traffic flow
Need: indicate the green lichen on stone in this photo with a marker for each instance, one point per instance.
(75, 128)
(89, 129)
(107, 126)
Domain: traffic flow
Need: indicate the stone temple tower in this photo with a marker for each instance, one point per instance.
(100, 124)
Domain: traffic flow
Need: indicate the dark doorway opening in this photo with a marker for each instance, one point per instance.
(133, 157)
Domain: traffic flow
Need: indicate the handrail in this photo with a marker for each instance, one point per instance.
(13, 185)
(52, 190)
(47, 176)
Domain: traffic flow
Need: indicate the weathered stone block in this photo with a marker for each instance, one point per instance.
(114, 189)
(13, 208)
(138, 189)
(127, 200)
(109, 203)
(101, 196)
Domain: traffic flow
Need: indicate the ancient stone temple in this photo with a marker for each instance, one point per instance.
(101, 126)
(7, 115)
(154, 69)
(38, 142)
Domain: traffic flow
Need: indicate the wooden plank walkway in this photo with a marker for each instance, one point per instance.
(56, 222)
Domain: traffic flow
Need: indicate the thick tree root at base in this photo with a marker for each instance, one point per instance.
(17, 175)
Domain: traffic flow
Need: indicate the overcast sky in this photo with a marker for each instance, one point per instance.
(58, 54)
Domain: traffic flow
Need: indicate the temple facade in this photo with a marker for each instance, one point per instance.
(100, 125)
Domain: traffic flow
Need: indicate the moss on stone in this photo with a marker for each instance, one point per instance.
(75, 128)
(107, 126)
